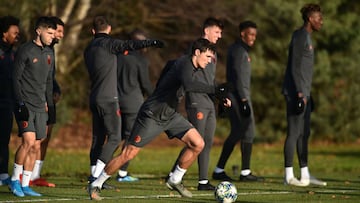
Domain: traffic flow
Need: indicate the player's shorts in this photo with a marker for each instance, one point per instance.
(36, 123)
(146, 128)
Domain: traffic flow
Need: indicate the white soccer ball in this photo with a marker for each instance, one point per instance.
(225, 192)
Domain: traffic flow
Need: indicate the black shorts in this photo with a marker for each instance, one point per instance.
(146, 128)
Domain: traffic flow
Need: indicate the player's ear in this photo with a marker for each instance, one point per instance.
(197, 52)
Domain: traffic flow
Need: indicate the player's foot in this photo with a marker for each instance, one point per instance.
(29, 192)
(94, 193)
(221, 176)
(105, 185)
(295, 182)
(41, 182)
(251, 178)
(179, 187)
(206, 186)
(315, 181)
(5, 181)
(15, 188)
(127, 178)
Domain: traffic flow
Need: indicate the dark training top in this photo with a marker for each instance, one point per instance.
(33, 76)
(299, 71)
(163, 102)
(6, 69)
(133, 81)
(238, 69)
(202, 100)
(101, 63)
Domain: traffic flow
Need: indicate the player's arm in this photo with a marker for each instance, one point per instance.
(117, 45)
(298, 48)
(239, 72)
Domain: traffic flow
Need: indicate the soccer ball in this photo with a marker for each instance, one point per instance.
(225, 192)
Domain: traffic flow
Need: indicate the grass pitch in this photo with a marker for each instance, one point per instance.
(339, 165)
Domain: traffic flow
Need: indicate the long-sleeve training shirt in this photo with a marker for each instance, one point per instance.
(33, 76)
(7, 56)
(299, 70)
(133, 81)
(163, 102)
(101, 63)
(238, 69)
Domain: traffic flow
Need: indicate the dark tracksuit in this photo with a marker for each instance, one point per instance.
(33, 81)
(6, 102)
(133, 84)
(101, 63)
(158, 113)
(298, 78)
(238, 73)
(201, 113)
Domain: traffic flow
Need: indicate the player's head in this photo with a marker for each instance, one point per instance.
(203, 52)
(9, 27)
(59, 34)
(101, 25)
(312, 16)
(212, 29)
(248, 32)
(45, 29)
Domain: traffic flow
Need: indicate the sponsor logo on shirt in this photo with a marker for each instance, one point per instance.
(35, 60)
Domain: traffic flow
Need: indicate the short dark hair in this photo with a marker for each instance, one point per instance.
(6, 22)
(309, 9)
(211, 21)
(133, 35)
(246, 24)
(203, 44)
(57, 20)
(100, 23)
(45, 22)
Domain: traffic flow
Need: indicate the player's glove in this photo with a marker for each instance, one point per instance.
(51, 115)
(21, 112)
(245, 108)
(299, 105)
(157, 43)
(222, 90)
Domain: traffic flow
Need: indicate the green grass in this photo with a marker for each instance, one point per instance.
(339, 165)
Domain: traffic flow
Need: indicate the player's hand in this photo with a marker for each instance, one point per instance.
(56, 97)
(227, 102)
(157, 43)
(222, 90)
(299, 105)
(245, 108)
(22, 112)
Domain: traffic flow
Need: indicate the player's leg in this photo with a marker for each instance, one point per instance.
(229, 144)
(209, 126)
(128, 120)
(294, 133)
(6, 120)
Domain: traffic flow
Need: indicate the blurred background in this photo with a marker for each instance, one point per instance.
(336, 82)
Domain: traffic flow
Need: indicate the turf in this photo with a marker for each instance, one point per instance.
(339, 165)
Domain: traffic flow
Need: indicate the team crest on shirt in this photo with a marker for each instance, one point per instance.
(49, 59)
(200, 115)
(126, 52)
(137, 139)
(310, 47)
(249, 59)
(24, 124)
(35, 60)
(118, 112)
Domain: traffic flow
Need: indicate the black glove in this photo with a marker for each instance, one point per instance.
(299, 105)
(245, 108)
(21, 112)
(157, 43)
(51, 115)
(222, 90)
